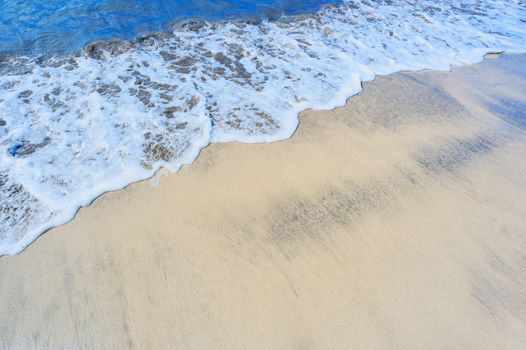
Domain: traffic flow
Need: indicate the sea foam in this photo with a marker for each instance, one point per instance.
(73, 127)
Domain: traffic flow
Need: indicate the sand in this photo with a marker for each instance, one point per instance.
(395, 222)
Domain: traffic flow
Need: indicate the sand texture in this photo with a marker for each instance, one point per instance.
(395, 222)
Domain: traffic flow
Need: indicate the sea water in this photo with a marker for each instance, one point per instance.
(44, 26)
(75, 123)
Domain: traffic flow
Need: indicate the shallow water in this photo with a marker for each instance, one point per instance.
(40, 26)
(77, 125)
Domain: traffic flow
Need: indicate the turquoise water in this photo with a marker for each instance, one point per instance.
(36, 26)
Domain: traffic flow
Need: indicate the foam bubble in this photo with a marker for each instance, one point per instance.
(76, 126)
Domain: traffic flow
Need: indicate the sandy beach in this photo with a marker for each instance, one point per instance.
(395, 222)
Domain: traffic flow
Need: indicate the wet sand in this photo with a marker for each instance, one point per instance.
(396, 222)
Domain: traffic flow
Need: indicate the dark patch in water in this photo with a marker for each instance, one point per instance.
(191, 25)
(98, 49)
(170, 112)
(24, 96)
(168, 56)
(14, 149)
(26, 148)
(158, 151)
(109, 89)
(12, 214)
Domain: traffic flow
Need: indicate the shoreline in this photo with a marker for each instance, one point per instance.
(392, 222)
(118, 112)
(188, 161)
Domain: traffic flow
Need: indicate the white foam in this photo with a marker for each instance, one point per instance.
(78, 126)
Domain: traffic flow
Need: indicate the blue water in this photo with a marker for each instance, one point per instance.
(37, 26)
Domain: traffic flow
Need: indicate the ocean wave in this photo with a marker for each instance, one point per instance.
(75, 126)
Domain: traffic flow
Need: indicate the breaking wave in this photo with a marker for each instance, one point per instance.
(75, 126)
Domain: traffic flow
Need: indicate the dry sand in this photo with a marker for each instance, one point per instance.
(396, 222)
